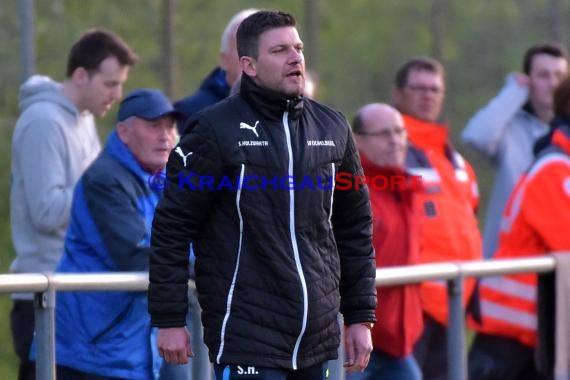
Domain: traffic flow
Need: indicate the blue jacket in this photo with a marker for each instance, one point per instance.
(108, 333)
(213, 89)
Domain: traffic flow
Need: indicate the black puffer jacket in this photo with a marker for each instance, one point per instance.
(273, 265)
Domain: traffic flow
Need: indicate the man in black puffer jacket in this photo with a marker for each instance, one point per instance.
(281, 245)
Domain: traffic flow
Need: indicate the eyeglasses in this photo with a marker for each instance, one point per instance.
(385, 133)
(424, 89)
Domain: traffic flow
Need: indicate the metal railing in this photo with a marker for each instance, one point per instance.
(45, 287)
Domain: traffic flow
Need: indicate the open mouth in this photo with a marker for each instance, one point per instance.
(295, 74)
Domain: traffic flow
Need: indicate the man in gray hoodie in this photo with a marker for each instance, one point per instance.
(506, 129)
(53, 143)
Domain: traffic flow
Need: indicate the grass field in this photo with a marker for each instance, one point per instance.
(8, 361)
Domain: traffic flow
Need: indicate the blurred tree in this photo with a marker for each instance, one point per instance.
(438, 25)
(27, 37)
(168, 63)
(312, 13)
(555, 15)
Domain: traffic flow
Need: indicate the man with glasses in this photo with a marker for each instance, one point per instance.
(382, 142)
(448, 202)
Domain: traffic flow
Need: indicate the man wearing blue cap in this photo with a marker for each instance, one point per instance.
(104, 335)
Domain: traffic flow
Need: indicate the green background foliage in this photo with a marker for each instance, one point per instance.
(361, 43)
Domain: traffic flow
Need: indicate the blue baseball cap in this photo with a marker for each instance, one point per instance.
(146, 103)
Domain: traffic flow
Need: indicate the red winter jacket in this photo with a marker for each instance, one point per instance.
(396, 242)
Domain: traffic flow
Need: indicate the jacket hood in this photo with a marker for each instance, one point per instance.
(40, 88)
(544, 142)
(561, 136)
(216, 83)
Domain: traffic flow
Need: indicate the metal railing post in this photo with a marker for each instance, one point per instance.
(336, 368)
(456, 357)
(44, 304)
(201, 367)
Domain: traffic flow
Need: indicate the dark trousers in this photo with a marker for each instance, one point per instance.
(22, 326)
(431, 350)
(495, 357)
(245, 372)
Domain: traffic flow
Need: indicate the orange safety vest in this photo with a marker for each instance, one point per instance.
(449, 227)
(535, 221)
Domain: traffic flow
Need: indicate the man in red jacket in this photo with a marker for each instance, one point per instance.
(382, 141)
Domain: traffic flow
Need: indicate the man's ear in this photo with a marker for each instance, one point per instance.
(123, 132)
(224, 61)
(80, 76)
(248, 66)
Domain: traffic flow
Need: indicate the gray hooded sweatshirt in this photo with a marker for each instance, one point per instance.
(52, 145)
(505, 133)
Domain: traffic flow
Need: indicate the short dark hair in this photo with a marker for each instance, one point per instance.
(253, 26)
(548, 48)
(357, 123)
(94, 47)
(562, 98)
(417, 64)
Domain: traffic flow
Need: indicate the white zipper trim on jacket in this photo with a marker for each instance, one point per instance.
(232, 287)
(333, 179)
(294, 242)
